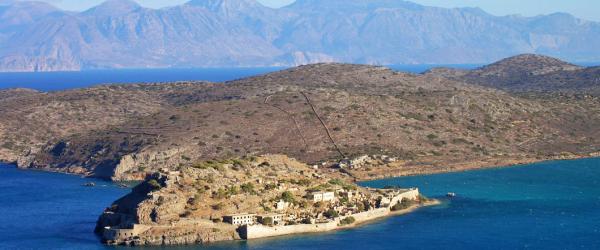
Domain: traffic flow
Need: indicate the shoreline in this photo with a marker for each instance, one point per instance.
(473, 165)
(369, 217)
(470, 165)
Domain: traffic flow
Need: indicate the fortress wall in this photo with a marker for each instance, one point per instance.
(412, 194)
(260, 231)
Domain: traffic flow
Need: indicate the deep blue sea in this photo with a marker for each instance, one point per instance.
(53, 81)
(550, 205)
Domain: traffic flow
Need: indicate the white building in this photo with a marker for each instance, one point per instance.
(281, 205)
(322, 196)
(240, 219)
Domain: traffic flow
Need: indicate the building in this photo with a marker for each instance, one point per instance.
(240, 219)
(322, 196)
(346, 194)
(276, 219)
(282, 205)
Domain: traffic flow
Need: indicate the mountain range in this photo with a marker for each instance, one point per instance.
(36, 36)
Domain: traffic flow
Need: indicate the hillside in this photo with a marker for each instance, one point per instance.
(426, 123)
(224, 33)
(530, 73)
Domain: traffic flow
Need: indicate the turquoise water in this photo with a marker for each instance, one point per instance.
(551, 205)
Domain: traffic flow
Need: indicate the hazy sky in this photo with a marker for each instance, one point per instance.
(587, 9)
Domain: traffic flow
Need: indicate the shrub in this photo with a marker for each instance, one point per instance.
(301, 182)
(247, 188)
(347, 221)
(403, 204)
(267, 221)
(336, 182)
(220, 194)
(154, 185)
(360, 207)
(270, 186)
(233, 190)
(331, 214)
(217, 206)
(287, 196)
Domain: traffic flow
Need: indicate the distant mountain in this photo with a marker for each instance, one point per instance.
(530, 73)
(212, 33)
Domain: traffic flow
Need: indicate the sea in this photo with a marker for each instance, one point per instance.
(548, 205)
(56, 81)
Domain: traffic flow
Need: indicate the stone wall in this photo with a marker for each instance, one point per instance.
(411, 194)
(260, 231)
(118, 235)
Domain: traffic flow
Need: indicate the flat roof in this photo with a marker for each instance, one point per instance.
(267, 215)
(232, 215)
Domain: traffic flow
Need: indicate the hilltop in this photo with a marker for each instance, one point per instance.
(318, 114)
(225, 33)
(530, 73)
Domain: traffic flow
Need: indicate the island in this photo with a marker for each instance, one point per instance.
(246, 198)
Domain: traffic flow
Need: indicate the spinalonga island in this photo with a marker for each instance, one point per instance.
(246, 198)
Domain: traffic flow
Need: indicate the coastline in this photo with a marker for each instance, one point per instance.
(481, 164)
(396, 172)
(361, 220)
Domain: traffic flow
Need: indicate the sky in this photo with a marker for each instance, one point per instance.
(586, 9)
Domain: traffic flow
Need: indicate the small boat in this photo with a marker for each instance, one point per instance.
(122, 185)
(89, 184)
(451, 195)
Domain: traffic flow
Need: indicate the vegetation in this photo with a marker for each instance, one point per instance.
(331, 214)
(267, 221)
(403, 204)
(288, 196)
(248, 188)
(347, 221)
(154, 185)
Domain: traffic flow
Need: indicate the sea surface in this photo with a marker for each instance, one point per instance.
(54, 81)
(549, 205)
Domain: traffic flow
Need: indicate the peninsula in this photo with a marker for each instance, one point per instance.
(441, 120)
(245, 198)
